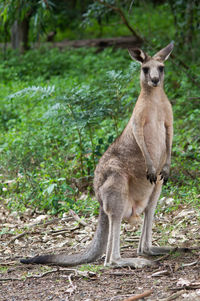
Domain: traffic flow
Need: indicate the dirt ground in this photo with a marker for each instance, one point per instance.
(175, 276)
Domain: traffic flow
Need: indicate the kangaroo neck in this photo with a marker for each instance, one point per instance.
(151, 92)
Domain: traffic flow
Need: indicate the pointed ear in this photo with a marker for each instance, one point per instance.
(137, 54)
(163, 54)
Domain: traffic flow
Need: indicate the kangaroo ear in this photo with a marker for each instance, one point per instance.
(137, 54)
(163, 54)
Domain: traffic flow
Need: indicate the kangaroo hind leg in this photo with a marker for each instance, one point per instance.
(114, 196)
(145, 244)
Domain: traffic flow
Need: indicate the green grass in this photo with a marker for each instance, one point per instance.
(3, 269)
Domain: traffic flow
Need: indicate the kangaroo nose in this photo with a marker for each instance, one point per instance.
(155, 80)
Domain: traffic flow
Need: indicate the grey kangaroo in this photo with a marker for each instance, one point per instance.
(129, 176)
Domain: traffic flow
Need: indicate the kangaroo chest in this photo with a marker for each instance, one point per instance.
(154, 131)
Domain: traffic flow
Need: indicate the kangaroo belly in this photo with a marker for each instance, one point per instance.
(139, 192)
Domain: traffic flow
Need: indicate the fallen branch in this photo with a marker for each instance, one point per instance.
(31, 276)
(139, 296)
(11, 279)
(120, 274)
(72, 287)
(16, 237)
(58, 232)
(77, 218)
(44, 274)
(173, 297)
(160, 273)
(8, 263)
(190, 264)
(52, 221)
(162, 257)
(192, 286)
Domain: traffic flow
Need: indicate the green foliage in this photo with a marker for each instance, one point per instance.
(57, 120)
(53, 135)
(60, 110)
(39, 11)
(97, 269)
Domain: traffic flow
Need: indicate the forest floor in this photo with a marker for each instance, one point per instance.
(175, 277)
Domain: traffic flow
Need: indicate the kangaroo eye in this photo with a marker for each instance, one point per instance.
(161, 68)
(145, 69)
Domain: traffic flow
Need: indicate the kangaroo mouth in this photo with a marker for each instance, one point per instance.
(152, 84)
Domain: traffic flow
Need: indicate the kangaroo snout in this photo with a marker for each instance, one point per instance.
(155, 81)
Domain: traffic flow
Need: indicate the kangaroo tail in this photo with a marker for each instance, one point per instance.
(93, 252)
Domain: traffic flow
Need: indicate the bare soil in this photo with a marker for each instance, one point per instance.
(175, 277)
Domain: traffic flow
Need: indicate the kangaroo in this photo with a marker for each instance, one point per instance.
(129, 176)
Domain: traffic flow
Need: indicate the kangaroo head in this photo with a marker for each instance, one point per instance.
(152, 68)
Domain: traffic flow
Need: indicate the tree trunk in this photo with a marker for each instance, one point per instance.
(19, 35)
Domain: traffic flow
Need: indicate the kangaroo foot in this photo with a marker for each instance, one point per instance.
(136, 263)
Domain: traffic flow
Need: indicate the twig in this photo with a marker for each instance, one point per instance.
(58, 232)
(160, 273)
(139, 296)
(77, 218)
(118, 273)
(68, 270)
(11, 279)
(190, 264)
(73, 287)
(130, 7)
(16, 237)
(31, 276)
(70, 280)
(62, 231)
(52, 221)
(193, 286)
(129, 239)
(44, 274)
(124, 20)
(174, 296)
(7, 263)
(162, 257)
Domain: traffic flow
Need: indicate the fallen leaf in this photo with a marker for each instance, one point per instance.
(183, 282)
